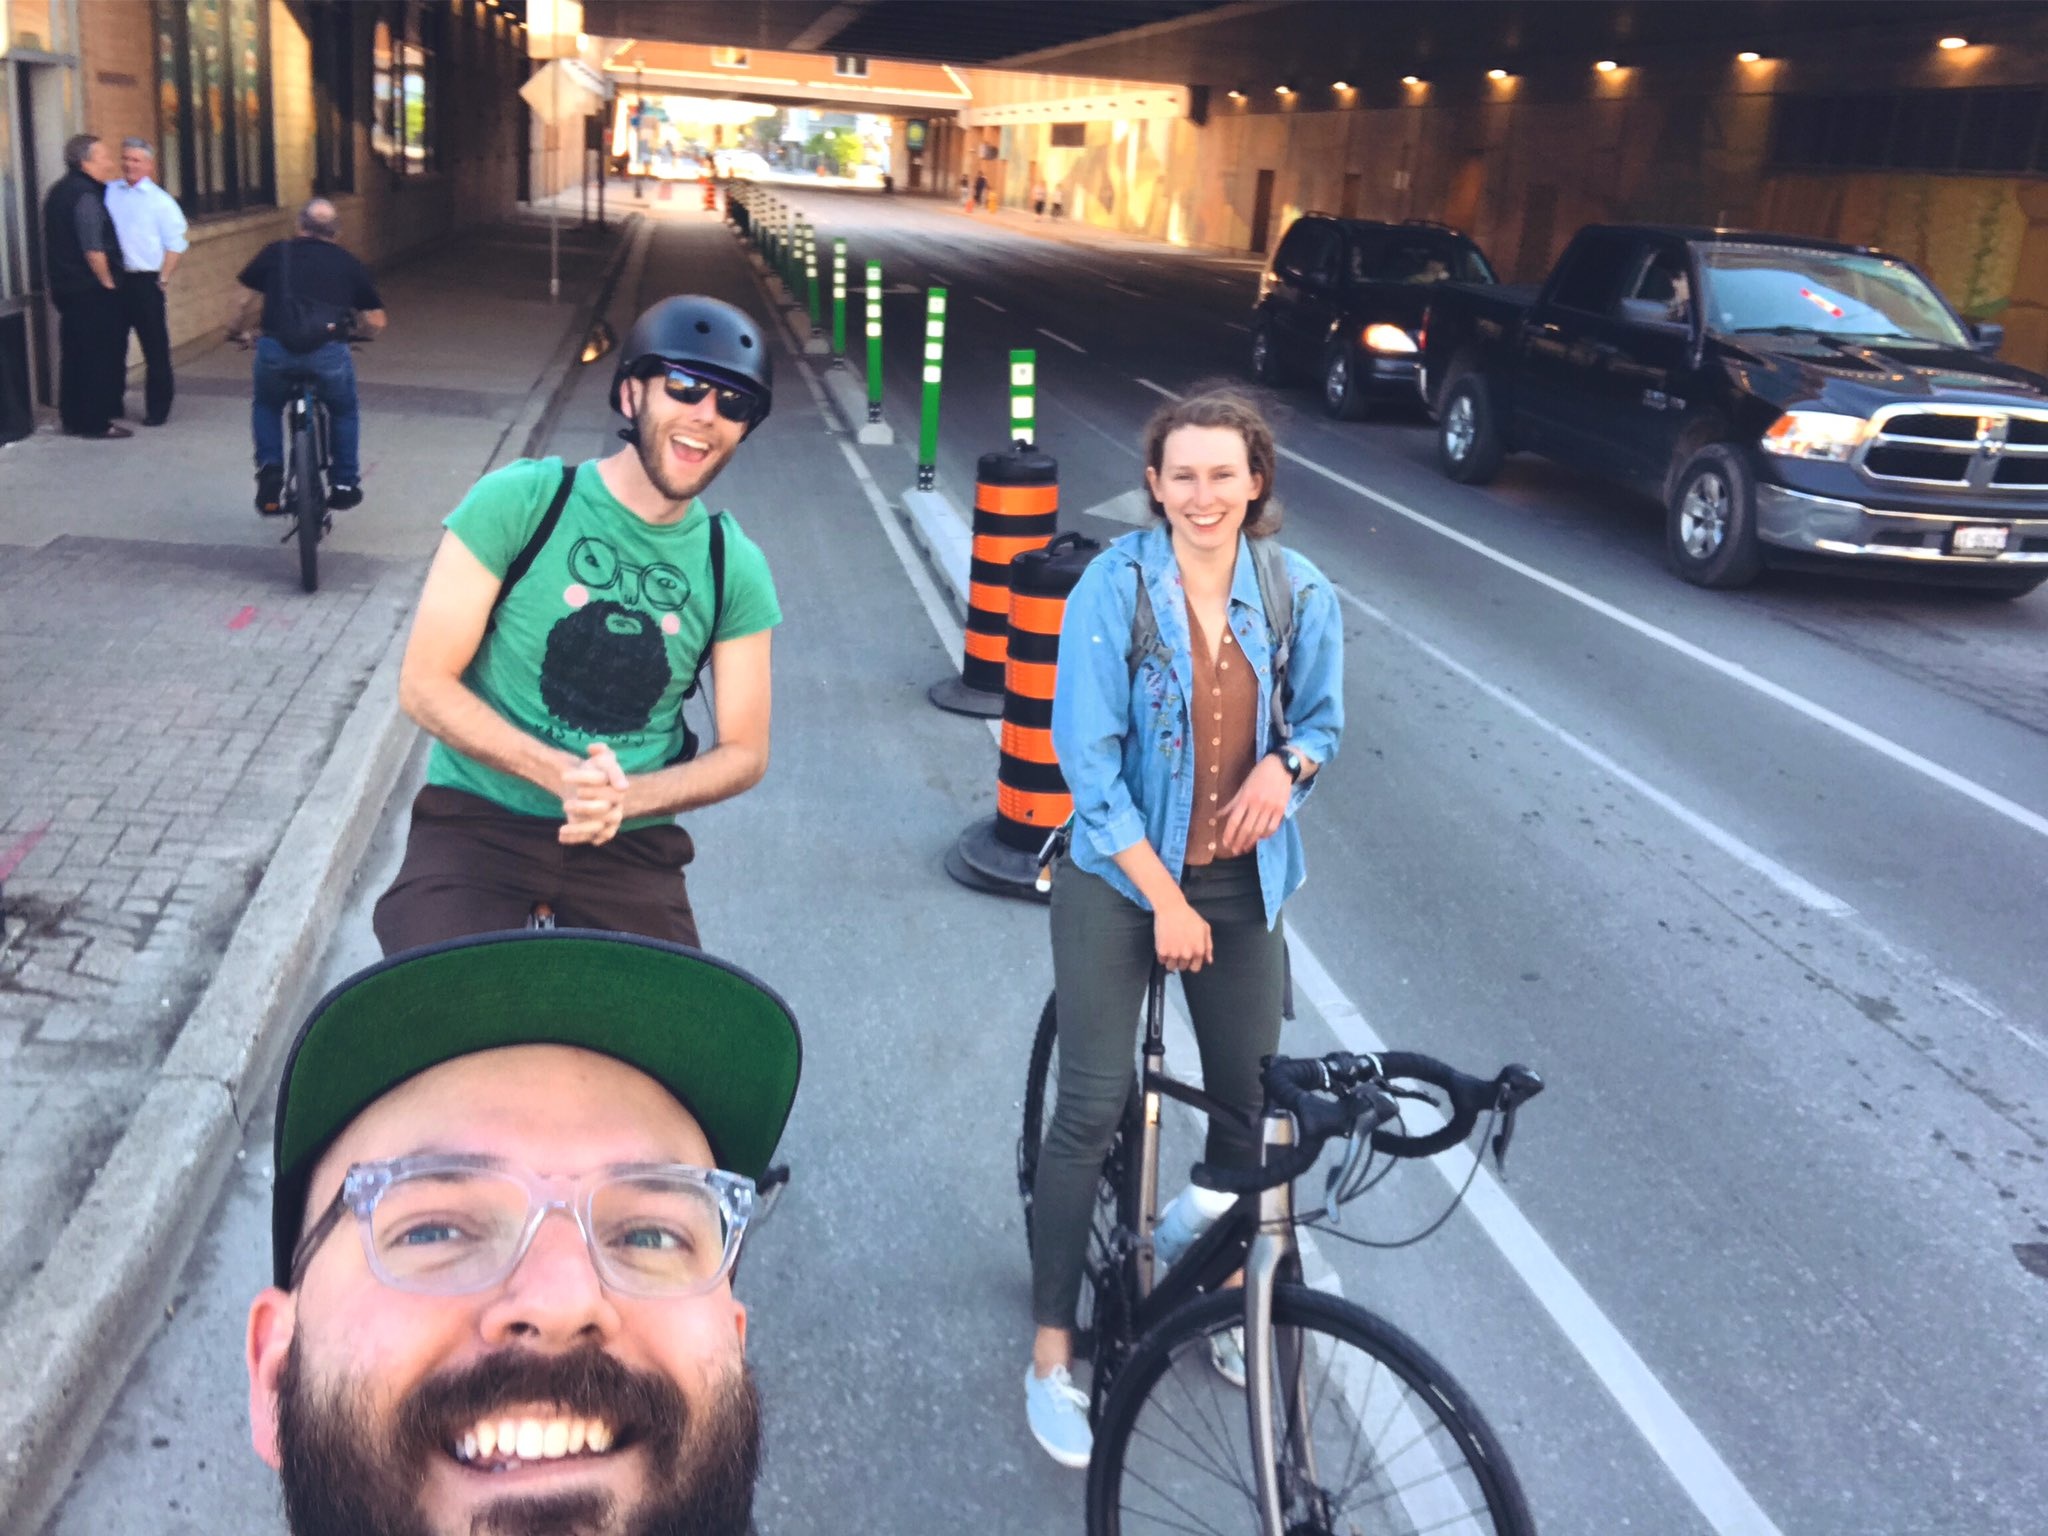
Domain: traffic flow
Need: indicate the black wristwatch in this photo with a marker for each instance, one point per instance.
(1291, 760)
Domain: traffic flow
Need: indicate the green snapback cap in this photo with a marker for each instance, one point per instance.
(715, 1037)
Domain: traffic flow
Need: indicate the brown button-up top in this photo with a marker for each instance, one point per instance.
(1224, 718)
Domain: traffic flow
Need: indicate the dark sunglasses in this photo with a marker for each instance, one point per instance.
(740, 405)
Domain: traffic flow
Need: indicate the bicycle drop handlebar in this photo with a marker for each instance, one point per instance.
(1343, 1094)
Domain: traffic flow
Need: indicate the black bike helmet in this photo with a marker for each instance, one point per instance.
(706, 336)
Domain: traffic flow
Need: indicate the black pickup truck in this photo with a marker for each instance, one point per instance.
(1791, 401)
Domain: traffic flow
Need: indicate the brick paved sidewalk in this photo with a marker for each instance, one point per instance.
(169, 695)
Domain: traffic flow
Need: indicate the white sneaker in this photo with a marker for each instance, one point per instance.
(1057, 1411)
(1226, 1353)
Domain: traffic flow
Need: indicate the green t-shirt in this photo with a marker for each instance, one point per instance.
(601, 635)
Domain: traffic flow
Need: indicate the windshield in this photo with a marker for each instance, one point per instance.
(1407, 256)
(1763, 288)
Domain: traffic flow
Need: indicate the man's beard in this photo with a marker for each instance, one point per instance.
(654, 460)
(346, 1475)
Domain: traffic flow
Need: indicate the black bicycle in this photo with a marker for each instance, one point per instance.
(308, 459)
(1341, 1424)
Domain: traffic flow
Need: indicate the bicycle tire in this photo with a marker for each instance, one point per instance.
(1431, 1415)
(308, 502)
(1116, 1205)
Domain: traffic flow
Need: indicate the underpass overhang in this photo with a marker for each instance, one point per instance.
(787, 79)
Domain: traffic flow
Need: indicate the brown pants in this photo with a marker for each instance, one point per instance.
(474, 867)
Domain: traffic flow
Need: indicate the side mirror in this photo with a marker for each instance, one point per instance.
(1988, 336)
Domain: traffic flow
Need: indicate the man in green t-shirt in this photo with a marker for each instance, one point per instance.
(567, 615)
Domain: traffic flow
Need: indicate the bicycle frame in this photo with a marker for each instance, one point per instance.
(1259, 1242)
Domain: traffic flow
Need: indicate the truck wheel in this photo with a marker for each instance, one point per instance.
(1265, 359)
(1710, 527)
(1468, 439)
(1342, 399)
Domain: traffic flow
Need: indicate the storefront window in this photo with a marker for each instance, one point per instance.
(213, 103)
(402, 63)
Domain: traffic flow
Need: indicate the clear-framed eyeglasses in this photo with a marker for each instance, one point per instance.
(444, 1224)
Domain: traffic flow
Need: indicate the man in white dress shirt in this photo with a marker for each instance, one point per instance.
(151, 228)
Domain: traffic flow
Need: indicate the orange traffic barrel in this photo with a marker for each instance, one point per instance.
(1000, 854)
(1016, 508)
(710, 196)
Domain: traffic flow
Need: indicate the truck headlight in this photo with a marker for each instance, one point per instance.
(1387, 338)
(1815, 435)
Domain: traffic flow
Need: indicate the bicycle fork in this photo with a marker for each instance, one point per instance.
(1276, 1374)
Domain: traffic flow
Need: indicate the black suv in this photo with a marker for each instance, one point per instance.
(1342, 300)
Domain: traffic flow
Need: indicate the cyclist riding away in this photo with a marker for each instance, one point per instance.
(315, 295)
(1200, 691)
(568, 615)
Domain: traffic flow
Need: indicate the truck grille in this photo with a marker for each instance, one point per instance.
(1966, 447)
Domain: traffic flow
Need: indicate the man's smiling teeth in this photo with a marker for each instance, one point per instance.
(691, 443)
(533, 1439)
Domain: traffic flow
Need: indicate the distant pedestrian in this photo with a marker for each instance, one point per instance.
(966, 192)
(1038, 200)
(981, 191)
(82, 265)
(150, 227)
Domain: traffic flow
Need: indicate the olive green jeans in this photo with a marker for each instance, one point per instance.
(1102, 954)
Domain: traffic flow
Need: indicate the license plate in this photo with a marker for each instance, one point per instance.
(1979, 539)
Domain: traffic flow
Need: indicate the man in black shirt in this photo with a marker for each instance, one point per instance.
(314, 296)
(83, 262)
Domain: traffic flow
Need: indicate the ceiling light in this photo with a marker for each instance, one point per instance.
(1339, 85)
(1236, 95)
(1953, 43)
(1496, 74)
(1749, 56)
(1283, 90)
(1412, 80)
(1607, 66)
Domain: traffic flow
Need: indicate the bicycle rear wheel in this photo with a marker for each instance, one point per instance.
(1106, 1269)
(307, 499)
(1374, 1437)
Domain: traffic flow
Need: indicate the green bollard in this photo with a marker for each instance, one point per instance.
(1023, 398)
(811, 282)
(839, 302)
(934, 367)
(874, 341)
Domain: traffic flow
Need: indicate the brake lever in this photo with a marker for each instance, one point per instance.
(1517, 1086)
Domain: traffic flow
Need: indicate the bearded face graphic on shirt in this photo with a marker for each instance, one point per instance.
(606, 665)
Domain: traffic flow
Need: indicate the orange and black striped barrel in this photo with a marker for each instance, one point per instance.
(1016, 508)
(1031, 793)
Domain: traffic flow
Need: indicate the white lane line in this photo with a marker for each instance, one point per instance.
(1120, 288)
(1707, 1480)
(1063, 341)
(991, 303)
(1716, 1492)
(1734, 671)
(1795, 886)
(1237, 325)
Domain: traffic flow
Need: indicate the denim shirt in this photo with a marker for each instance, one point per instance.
(1123, 740)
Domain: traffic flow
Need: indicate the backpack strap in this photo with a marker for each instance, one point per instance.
(717, 601)
(1276, 596)
(523, 561)
(1145, 639)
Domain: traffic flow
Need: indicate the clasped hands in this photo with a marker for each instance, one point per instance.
(593, 797)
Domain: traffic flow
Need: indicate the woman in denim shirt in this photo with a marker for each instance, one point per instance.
(1184, 840)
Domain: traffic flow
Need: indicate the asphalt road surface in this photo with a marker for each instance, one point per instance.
(1755, 880)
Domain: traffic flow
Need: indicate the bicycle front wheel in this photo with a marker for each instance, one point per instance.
(308, 502)
(1373, 1437)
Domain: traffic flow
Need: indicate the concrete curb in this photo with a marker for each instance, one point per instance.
(80, 1324)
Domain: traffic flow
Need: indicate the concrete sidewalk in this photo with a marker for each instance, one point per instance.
(191, 753)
